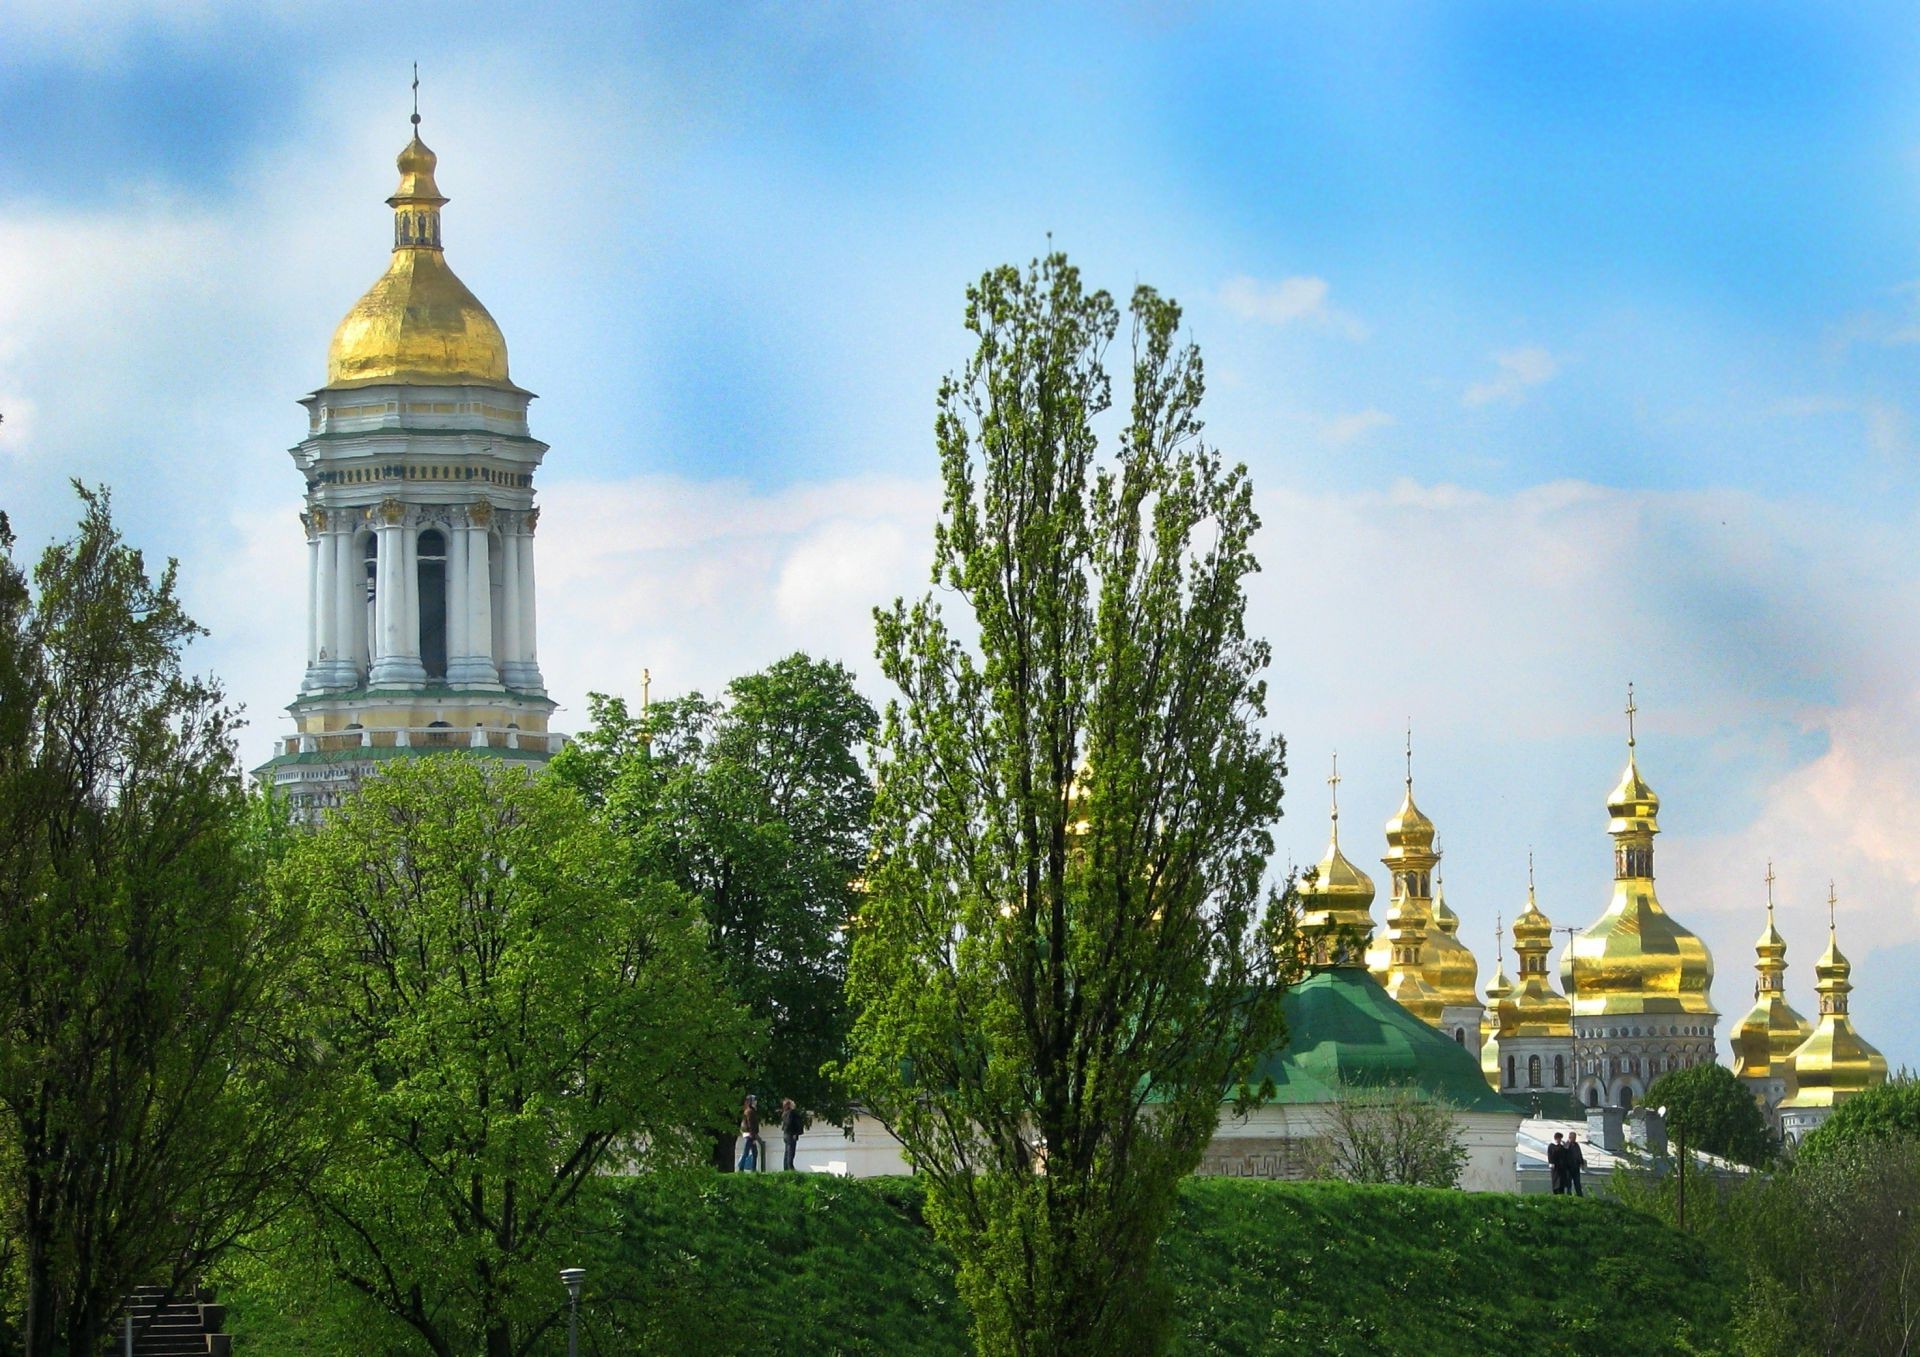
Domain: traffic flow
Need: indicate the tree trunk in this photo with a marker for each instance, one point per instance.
(38, 1331)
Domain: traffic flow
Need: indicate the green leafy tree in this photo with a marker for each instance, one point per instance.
(1715, 1112)
(1068, 955)
(757, 805)
(1889, 1111)
(156, 1102)
(513, 1012)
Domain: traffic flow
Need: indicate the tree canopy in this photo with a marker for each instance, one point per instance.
(155, 1094)
(1715, 1112)
(1068, 954)
(757, 805)
(1889, 1111)
(513, 1010)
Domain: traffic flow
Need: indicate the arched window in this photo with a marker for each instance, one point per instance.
(1533, 1071)
(1460, 1035)
(1593, 1097)
(1510, 1079)
(1626, 1096)
(1559, 1071)
(432, 554)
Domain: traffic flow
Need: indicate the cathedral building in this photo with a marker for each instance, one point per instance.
(1834, 1062)
(420, 519)
(1765, 1040)
(1533, 1022)
(1638, 981)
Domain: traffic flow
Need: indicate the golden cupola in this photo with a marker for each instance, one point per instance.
(1399, 960)
(1765, 1040)
(1635, 958)
(1450, 965)
(1834, 1062)
(1497, 989)
(418, 324)
(1336, 904)
(1534, 1008)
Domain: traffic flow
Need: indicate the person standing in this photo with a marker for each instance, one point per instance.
(1557, 1163)
(791, 1125)
(1575, 1161)
(750, 1134)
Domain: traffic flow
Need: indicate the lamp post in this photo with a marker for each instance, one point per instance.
(1680, 1158)
(572, 1277)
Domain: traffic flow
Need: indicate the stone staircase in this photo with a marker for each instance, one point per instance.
(178, 1326)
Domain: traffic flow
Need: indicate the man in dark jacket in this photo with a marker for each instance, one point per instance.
(791, 1125)
(1557, 1163)
(1574, 1162)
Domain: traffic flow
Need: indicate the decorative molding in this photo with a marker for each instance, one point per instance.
(392, 511)
(480, 513)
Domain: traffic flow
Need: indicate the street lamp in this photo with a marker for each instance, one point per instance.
(572, 1277)
(1680, 1157)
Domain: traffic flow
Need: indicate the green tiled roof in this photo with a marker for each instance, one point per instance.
(1344, 1031)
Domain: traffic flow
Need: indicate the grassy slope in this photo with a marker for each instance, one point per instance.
(717, 1265)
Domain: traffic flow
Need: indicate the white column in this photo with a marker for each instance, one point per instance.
(344, 626)
(473, 604)
(399, 661)
(410, 589)
(510, 612)
(530, 680)
(456, 595)
(313, 600)
(392, 609)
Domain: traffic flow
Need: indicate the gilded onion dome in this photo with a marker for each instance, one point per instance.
(1447, 962)
(1497, 989)
(1635, 958)
(1336, 902)
(1534, 1008)
(1765, 1040)
(418, 323)
(1399, 960)
(1834, 1062)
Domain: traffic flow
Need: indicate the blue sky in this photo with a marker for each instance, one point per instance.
(1568, 344)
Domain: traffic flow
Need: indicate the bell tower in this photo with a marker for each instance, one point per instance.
(420, 520)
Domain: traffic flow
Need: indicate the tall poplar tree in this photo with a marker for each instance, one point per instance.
(1069, 955)
(153, 1091)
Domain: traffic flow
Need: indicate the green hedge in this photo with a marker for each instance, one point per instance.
(709, 1266)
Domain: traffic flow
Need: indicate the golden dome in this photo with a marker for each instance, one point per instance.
(1449, 964)
(1336, 902)
(1534, 1008)
(1409, 828)
(1635, 958)
(1834, 1062)
(1765, 1040)
(418, 324)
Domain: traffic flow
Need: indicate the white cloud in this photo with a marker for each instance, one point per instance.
(1341, 430)
(1301, 299)
(1516, 370)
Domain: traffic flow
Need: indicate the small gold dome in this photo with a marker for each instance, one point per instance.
(1632, 803)
(1765, 1040)
(1409, 828)
(418, 324)
(1834, 1062)
(1534, 1008)
(1449, 964)
(1336, 902)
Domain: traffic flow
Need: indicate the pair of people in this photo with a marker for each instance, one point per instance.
(1565, 1161)
(752, 1151)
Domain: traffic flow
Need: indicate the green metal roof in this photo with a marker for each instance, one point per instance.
(1344, 1031)
(373, 753)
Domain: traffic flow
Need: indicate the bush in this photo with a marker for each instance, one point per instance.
(707, 1264)
(1888, 1111)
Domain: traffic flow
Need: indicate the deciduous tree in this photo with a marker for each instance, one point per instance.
(155, 1098)
(1069, 955)
(1715, 1112)
(1391, 1135)
(757, 805)
(513, 1011)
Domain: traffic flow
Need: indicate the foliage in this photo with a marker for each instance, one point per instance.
(1392, 1135)
(701, 1265)
(1830, 1249)
(511, 1017)
(758, 806)
(1714, 1112)
(1885, 1112)
(1068, 954)
(156, 1096)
